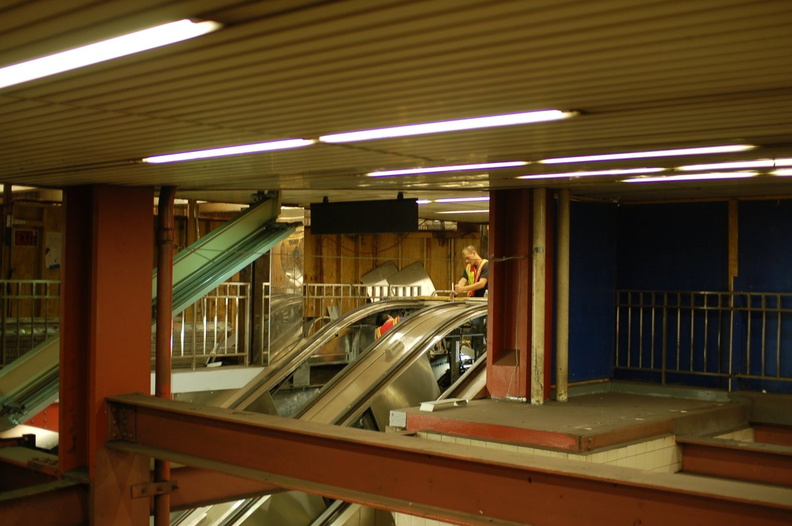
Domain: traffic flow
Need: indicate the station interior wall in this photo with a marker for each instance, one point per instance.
(668, 247)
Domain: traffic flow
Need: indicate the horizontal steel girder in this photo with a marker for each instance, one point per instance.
(773, 434)
(441, 480)
(199, 487)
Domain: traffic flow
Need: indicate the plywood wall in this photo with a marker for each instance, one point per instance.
(344, 258)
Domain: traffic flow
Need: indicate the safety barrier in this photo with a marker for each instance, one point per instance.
(723, 336)
(30, 315)
(214, 328)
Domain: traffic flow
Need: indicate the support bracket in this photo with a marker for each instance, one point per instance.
(121, 423)
(150, 489)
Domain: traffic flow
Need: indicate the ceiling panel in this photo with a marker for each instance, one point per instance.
(643, 75)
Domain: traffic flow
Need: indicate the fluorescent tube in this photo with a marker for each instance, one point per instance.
(646, 155)
(230, 150)
(462, 199)
(759, 163)
(105, 50)
(446, 126)
(452, 168)
(626, 171)
(690, 177)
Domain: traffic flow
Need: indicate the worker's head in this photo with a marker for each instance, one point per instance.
(382, 317)
(470, 255)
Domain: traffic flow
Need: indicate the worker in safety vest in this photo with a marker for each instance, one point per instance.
(386, 323)
(475, 276)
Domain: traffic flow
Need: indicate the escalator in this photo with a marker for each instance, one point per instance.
(355, 330)
(30, 384)
(392, 373)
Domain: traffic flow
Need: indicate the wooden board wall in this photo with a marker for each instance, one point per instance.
(344, 258)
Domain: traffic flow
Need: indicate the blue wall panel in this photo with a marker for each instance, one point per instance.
(765, 255)
(673, 247)
(592, 282)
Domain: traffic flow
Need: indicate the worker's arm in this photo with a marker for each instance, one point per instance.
(480, 284)
(462, 287)
(459, 288)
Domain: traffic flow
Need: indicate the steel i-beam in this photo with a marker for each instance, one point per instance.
(440, 480)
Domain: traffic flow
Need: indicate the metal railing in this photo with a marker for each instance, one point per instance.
(331, 299)
(215, 327)
(30, 315)
(723, 335)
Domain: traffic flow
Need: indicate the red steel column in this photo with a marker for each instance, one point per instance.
(509, 314)
(165, 235)
(105, 338)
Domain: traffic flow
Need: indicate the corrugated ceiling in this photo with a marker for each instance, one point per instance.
(644, 75)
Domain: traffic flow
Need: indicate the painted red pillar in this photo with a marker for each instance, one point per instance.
(510, 313)
(105, 338)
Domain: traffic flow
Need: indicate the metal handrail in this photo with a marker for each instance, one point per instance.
(730, 335)
(30, 314)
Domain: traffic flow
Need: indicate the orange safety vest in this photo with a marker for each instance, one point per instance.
(473, 274)
(385, 327)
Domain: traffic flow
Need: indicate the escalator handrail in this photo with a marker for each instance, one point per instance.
(290, 360)
(416, 323)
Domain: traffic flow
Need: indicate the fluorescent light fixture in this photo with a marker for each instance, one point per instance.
(783, 173)
(759, 163)
(691, 177)
(230, 150)
(462, 199)
(626, 171)
(423, 201)
(645, 155)
(446, 126)
(485, 211)
(452, 168)
(105, 50)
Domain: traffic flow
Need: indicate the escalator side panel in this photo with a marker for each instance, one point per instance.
(415, 385)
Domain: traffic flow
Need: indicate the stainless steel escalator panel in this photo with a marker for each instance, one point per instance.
(414, 385)
(403, 375)
(248, 397)
(354, 390)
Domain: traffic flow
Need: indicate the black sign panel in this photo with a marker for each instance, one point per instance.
(365, 217)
